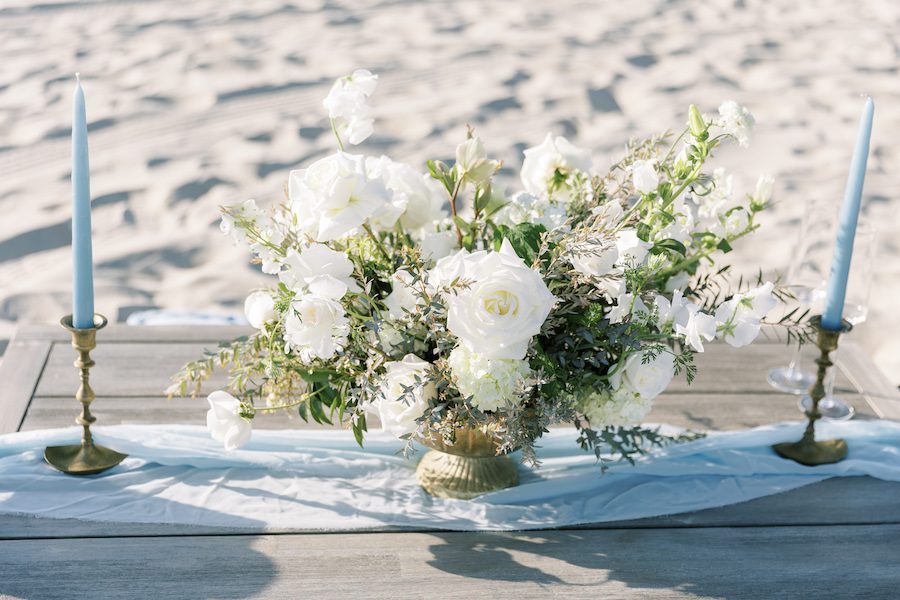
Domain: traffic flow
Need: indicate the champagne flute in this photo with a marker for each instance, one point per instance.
(807, 278)
(856, 309)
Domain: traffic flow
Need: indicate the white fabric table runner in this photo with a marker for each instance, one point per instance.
(301, 480)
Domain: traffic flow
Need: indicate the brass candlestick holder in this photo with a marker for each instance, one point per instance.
(808, 451)
(86, 458)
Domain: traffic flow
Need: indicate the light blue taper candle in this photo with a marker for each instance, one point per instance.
(83, 278)
(843, 249)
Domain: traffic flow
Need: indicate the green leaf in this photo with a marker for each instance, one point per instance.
(525, 238)
(669, 245)
(464, 225)
(724, 246)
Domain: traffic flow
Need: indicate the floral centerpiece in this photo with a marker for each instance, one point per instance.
(471, 319)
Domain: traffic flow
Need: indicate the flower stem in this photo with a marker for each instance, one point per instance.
(381, 249)
(453, 211)
(334, 130)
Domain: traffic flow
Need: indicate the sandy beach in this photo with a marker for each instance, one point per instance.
(197, 104)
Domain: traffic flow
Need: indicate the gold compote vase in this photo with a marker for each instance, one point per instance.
(467, 468)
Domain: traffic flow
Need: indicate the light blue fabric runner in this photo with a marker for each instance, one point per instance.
(320, 480)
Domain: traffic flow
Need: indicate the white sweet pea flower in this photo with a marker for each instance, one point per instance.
(632, 250)
(627, 305)
(699, 326)
(224, 420)
(679, 281)
(259, 308)
(335, 195)
(644, 176)
(348, 107)
(472, 162)
(417, 200)
(548, 168)
(672, 313)
(594, 258)
(316, 325)
(503, 308)
(404, 395)
(737, 121)
(435, 245)
(739, 319)
(762, 195)
(647, 380)
(491, 383)
(314, 260)
(403, 298)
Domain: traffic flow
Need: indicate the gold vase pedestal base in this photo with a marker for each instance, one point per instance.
(812, 454)
(465, 477)
(77, 459)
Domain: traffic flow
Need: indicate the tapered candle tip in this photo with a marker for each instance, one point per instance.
(78, 78)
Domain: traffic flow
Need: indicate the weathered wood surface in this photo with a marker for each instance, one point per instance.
(838, 538)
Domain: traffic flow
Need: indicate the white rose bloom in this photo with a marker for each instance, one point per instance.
(314, 260)
(402, 399)
(402, 299)
(259, 308)
(503, 308)
(632, 249)
(472, 162)
(737, 121)
(620, 409)
(545, 164)
(436, 245)
(491, 383)
(224, 421)
(627, 305)
(644, 176)
(739, 319)
(347, 105)
(594, 259)
(316, 325)
(335, 195)
(648, 380)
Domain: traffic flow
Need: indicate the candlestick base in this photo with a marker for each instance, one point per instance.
(86, 458)
(807, 451)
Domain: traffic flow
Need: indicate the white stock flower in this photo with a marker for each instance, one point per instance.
(259, 308)
(594, 258)
(739, 319)
(404, 394)
(632, 249)
(335, 195)
(403, 298)
(315, 260)
(644, 176)
(737, 121)
(491, 383)
(620, 409)
(316, 325)
(646, 379)
(224, 420)
(627, 305)
(348, 107)
(472, 162)
(436, 245)
(503, 307)
(547, 168)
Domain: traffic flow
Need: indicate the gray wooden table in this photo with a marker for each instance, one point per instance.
(839, 538)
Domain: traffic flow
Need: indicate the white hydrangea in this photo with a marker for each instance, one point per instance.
(491, 383)
(348, 106)
(525, 207)
(737, 121)
(620, 409)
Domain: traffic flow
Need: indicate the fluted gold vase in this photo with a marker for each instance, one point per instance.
(468, 468)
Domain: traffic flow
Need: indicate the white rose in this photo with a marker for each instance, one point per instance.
(259, 308)
(422, 196)
(224, 420)
(403, 298)
(646, 380)
(737, 121)
(402, 400)
(644, 176)
(316, 325)
(547, 168)
(595, 259)
(314, 260)
(504, 306)
(335, 195)
(632, 249)
(348, 107)
(491, 383)
(436, 245)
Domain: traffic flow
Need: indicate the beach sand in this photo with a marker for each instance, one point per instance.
(208, 102)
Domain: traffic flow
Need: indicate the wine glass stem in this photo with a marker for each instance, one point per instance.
(794, 369)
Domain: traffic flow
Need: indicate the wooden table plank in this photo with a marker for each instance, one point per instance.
(20, 373)
(780, 562)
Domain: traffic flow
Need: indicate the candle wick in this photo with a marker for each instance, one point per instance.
(77, 77)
